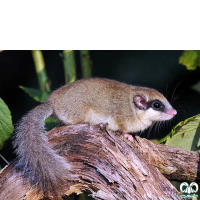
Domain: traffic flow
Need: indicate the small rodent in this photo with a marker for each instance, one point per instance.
(123, 107)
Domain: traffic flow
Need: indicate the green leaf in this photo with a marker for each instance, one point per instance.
(185, 134)
(196, 87)
(50, 123)
(191, 59)
(37, 95)
(6, 127)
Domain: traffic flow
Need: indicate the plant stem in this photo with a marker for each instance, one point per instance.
(86, 64)
(82, 196)
(69, 66)
(4, 159)
(40, 70)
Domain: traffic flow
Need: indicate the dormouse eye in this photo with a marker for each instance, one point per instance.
(156, 105)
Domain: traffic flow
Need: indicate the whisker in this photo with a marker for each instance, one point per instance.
(175, 91)
(161, 126)
(156, 127)
(150, 129)
(167, 88)
(181, 110)
(176, 98)
(179, 93)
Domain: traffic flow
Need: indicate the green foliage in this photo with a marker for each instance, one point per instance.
(86, 64)
(185, 134)
(6, 127)
(69, 66)
(37, 95)
(40, 70)
(50, 123)
(191, 59)
(196, 87)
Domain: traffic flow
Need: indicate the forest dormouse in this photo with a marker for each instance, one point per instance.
(123, 107)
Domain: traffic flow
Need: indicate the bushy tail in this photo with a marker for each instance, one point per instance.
(36, 160)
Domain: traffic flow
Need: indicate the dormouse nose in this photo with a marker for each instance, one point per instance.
(171, 112)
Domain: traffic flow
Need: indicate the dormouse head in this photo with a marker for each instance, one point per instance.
(152, 106)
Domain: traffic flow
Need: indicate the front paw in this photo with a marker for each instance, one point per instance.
(102, 126)
(128, 137)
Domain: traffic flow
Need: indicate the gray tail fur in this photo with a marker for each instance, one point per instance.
(36, 160)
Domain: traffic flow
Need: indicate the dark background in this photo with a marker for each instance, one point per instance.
(158, 69)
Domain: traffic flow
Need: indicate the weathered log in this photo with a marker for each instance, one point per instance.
(174, 163)
(109, 167)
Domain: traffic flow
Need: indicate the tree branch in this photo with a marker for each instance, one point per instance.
(110, 167)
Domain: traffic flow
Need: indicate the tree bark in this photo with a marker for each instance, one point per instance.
(109, 167)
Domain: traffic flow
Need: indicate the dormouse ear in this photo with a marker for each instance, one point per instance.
(140, 102)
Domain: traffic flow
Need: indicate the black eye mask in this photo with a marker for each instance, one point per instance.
(156, 105)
